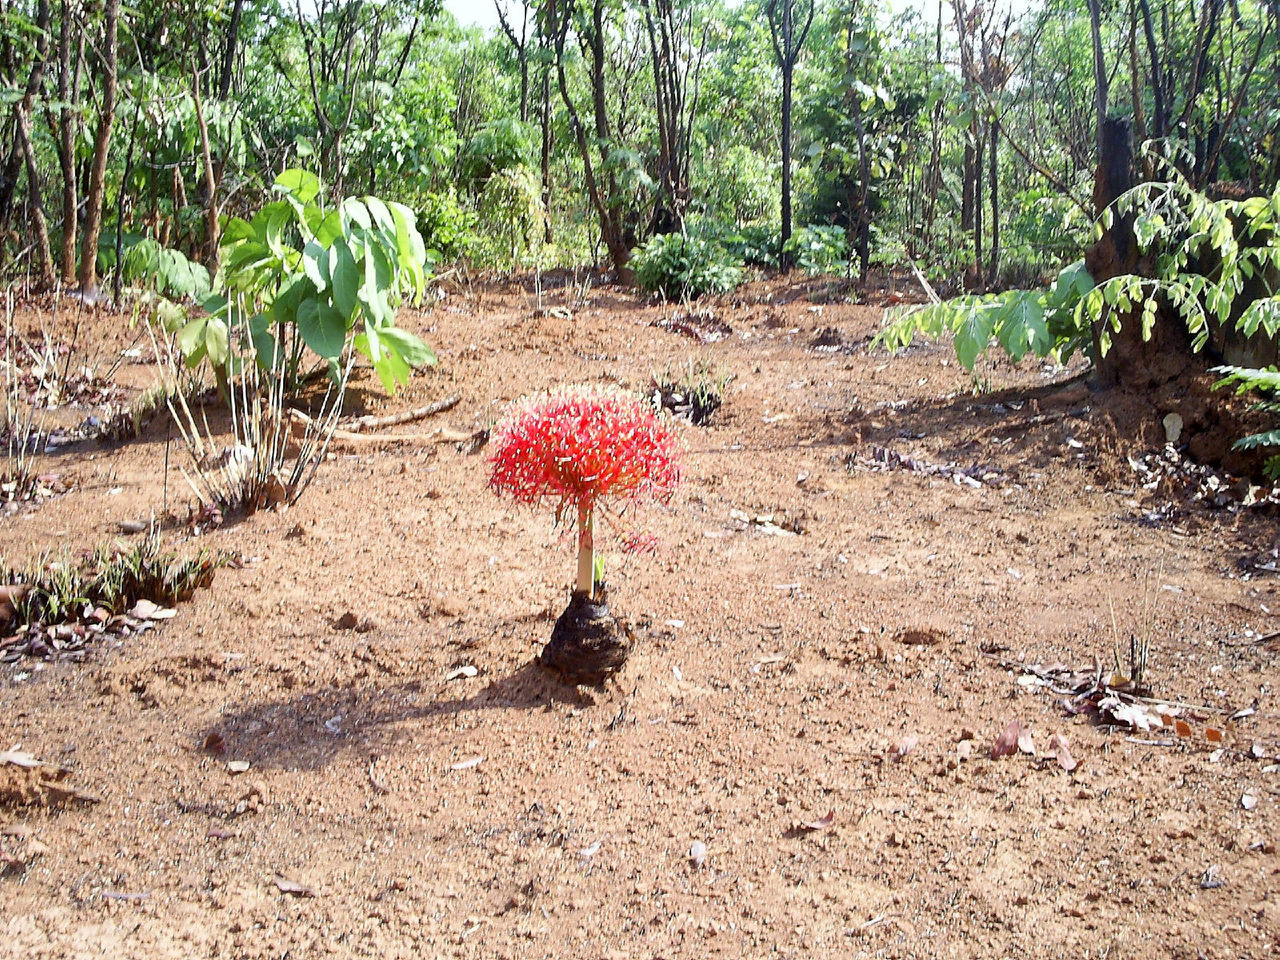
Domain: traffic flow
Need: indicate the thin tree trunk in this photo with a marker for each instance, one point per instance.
(39, 224)
(993, 166)
(784, 256)
(1099, 70)
(546, 153)
(229, 51)
(68, 124)
(1159, 120)
(212, 250)
(101, 147)
(978, 211)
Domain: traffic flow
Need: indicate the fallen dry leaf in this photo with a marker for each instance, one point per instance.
(1007, 743)
(146, 610)
(293, 888)
(1025, 742)
(697, 853)
(822, 824)
(19, 757)
(1058, 747)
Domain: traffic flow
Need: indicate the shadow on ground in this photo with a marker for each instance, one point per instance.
(310, 730)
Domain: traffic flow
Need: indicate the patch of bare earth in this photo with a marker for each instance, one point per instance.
(796, 761)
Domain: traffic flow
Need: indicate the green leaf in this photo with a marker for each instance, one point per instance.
(1022, 326)
(315, 264)
(217, 341)
(322, 328)
(346, 279)
(356, 212)
(191, 336)
(973, 336)
(301, 184)
(328, 228)
(415, 352)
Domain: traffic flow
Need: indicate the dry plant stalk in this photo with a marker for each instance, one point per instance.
(269, 461)
(22, 428)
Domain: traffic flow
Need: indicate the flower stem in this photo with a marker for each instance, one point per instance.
(586, 553)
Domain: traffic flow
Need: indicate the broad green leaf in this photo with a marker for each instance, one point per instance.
(217, 341)
(322, 328)
(356, 212)
(973, 336)
(191, 336)
(315, 264)
(415, 352)
(346, 279)
(301, 184)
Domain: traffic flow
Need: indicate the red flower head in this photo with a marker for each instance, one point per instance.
(580, 446)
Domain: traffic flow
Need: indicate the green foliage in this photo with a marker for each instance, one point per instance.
(1205, 252)
(114, 578)
(448, 228)
(819, 249)
(502, 145)
(678, 267)
(1041, 322)
(301, 275)
(1265, 381)
(145, 263)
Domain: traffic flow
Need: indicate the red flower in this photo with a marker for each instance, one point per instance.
(580, 446)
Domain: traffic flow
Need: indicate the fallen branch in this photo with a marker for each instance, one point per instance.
(361, 424)
(300, 421)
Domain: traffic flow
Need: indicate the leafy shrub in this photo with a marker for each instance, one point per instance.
(1042, 322)
(501, 145)
(447, 227)
(819, 249)
(1205, 254)
(1265, 381)
(303, 276)
(679, 267)
(755, 245)
(741, 185)
(145, 263)
(511, 217)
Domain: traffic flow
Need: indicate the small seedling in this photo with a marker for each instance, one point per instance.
(693, 393)
(577, 449)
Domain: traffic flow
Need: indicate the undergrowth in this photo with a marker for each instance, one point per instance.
(56, 589)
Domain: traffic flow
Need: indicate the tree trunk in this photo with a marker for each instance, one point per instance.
(784, 255)
(67, 127)
(600, 191)
(212, 229)
(101, 146)
(546, 153)
(229, 51)
(864, 183)
(1131, 362)
(39, 224)
(993, 187)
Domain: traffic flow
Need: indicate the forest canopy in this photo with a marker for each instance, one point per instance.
(828, 135)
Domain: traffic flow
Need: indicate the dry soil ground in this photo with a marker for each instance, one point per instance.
(862, 552)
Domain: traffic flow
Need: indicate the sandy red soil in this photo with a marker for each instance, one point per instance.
(823, 631)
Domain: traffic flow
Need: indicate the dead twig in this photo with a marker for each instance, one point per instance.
(378, 785)
(300, 421)
(361, 424)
